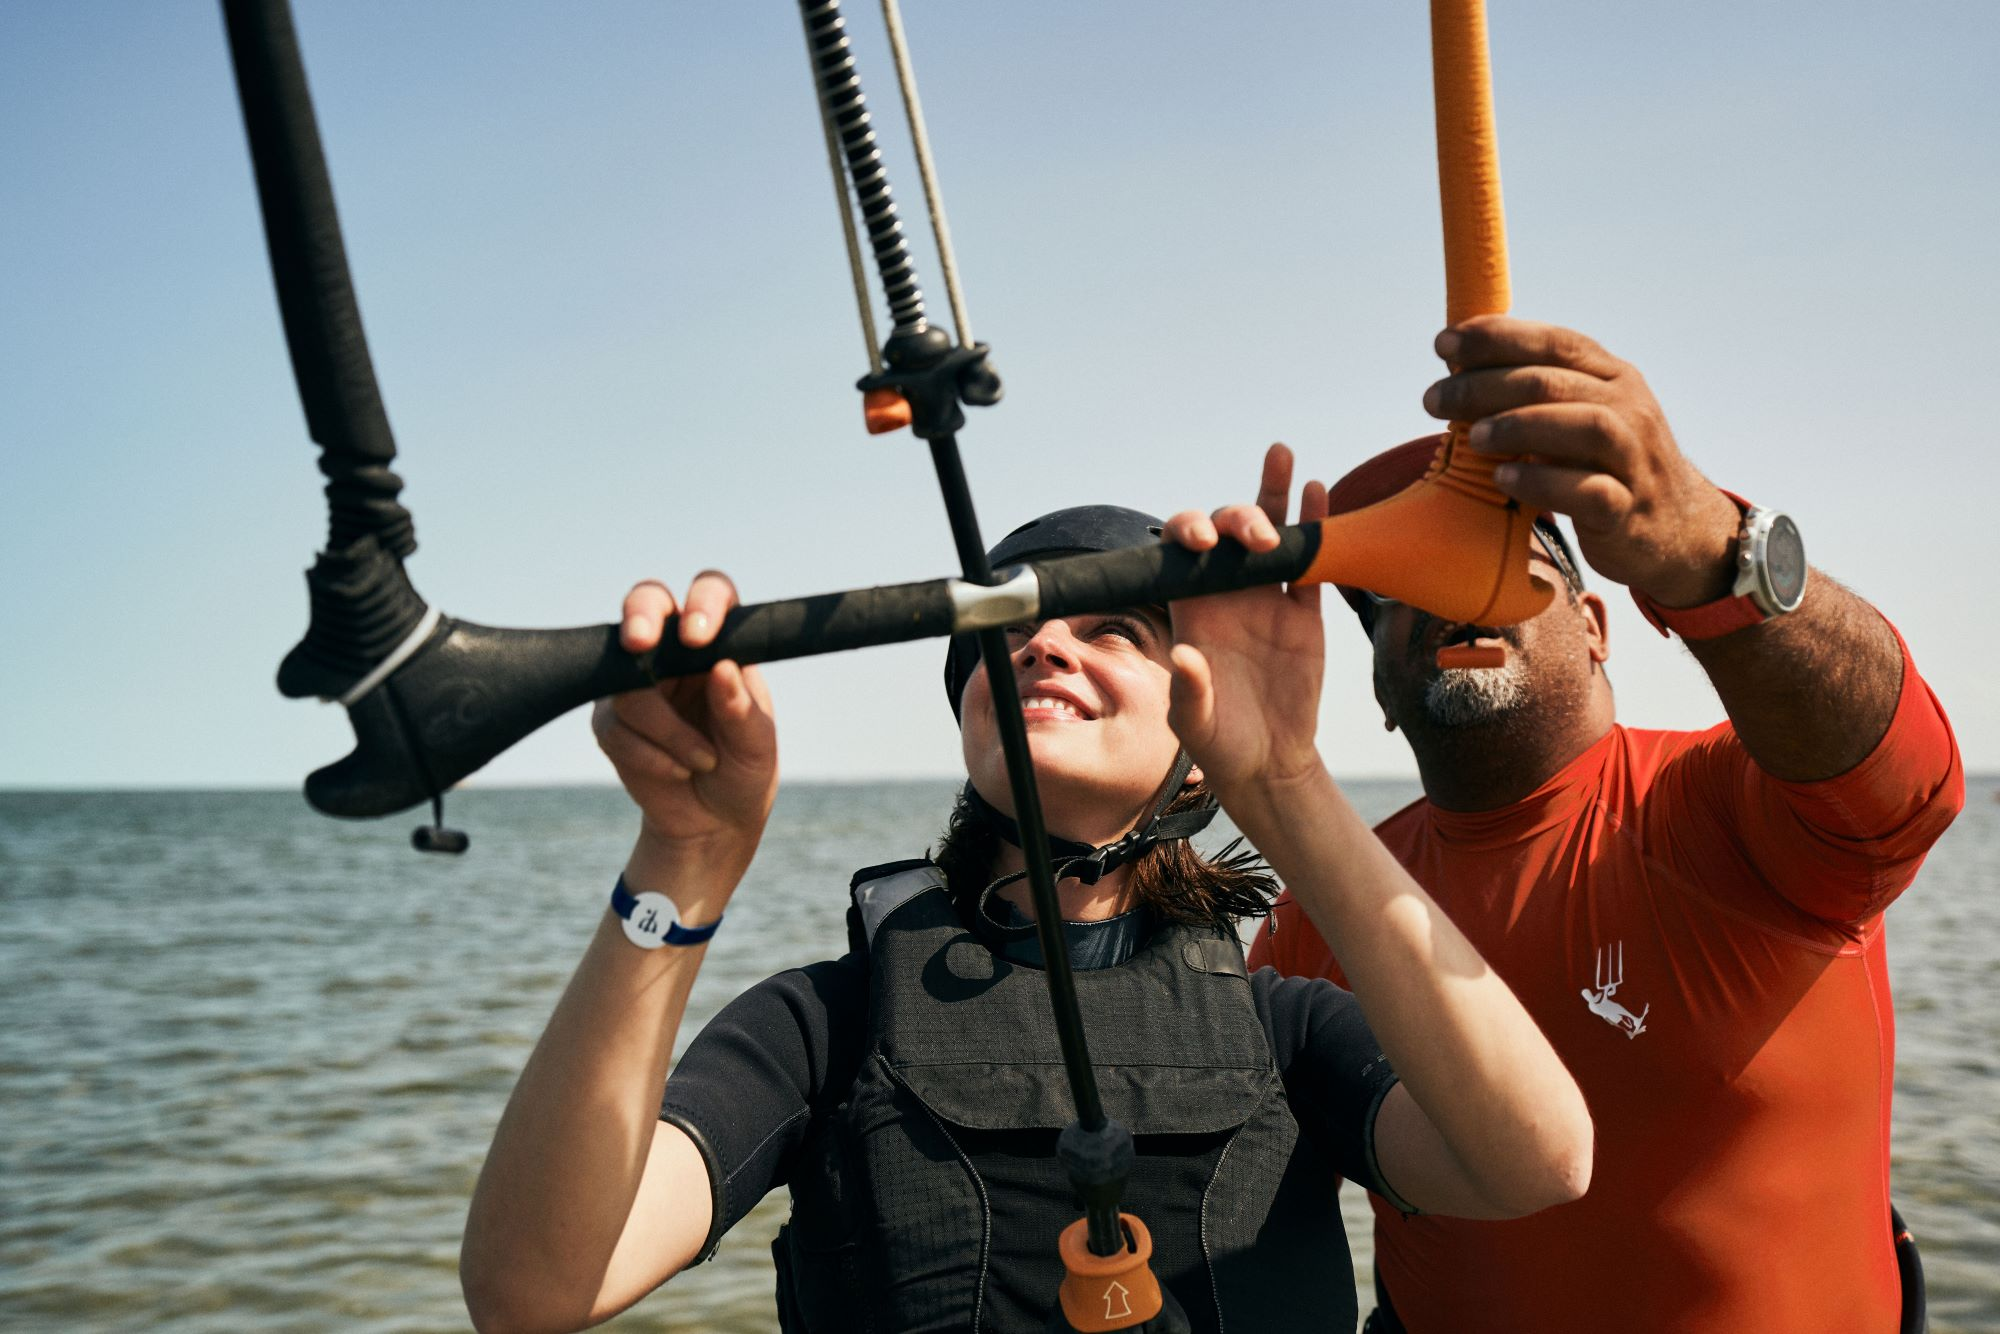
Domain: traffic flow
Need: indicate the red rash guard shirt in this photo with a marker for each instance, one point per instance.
(1703, 946)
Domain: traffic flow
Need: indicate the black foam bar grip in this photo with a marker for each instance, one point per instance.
(472, 690)
(1166, 572)
(825, 623)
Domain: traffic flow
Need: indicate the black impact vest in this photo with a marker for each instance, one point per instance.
(892, 1226)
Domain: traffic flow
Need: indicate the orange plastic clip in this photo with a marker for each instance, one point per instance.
(885, 410)
(1472, 655)
(1106, 1292)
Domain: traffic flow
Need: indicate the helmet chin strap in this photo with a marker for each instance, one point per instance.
(1081, 861)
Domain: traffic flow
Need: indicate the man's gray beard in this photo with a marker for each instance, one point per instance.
(1464, 696)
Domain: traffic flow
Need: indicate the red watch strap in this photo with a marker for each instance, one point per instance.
(1711, 620)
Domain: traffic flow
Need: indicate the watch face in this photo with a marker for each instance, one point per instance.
(1785, 562)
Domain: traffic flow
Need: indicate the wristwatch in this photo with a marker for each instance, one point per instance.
(1770, 580)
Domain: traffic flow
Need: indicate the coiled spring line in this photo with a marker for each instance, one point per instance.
(850, 134)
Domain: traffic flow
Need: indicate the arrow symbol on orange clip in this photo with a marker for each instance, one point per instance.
(1116, 1296)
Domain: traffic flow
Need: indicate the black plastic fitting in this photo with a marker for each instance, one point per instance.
(936, 378)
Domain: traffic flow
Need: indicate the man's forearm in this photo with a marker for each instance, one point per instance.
(1810, 694)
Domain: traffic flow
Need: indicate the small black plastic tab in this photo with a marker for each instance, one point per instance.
(430, 838)
(434, 837)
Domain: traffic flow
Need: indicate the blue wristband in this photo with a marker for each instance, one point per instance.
(650, 922)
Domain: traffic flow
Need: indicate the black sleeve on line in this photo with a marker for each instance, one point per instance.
(1334, 1071)
(748, 1086)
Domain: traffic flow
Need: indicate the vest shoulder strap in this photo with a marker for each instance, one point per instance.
(879, 890)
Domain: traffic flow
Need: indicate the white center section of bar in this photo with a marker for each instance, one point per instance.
(1018, 597)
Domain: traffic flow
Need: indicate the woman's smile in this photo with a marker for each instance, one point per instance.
(1044, 702)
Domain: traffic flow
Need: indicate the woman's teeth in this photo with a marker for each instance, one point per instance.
(1049, 707)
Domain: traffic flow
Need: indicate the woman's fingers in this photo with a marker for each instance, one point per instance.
(1274, 491)
(653, 718)
(1248, 524)
(1255, 526)
(638, 760)
(646, 609)
(676, 719)
(697, 753)
(739, 709)
(760, 693)
(1191, 698)
(1313, 507)
(709, 599)
(1191, 529)
(1313, 502)
(649, 604)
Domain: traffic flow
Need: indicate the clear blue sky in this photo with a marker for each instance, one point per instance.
(602, 279)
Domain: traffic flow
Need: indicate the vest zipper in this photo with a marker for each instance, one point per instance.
(985, 1205)
(1207, 1260)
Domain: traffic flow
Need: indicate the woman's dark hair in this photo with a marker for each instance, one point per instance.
(1173, 879)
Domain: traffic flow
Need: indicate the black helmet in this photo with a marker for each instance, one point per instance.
(1067, 532)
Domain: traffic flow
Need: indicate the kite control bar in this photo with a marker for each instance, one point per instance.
(465, 692)
(433, 698)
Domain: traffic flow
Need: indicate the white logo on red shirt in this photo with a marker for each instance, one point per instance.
(1610, 975)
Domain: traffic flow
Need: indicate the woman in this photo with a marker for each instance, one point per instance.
(909, 1094)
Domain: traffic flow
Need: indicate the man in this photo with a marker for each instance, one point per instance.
(1694, 918)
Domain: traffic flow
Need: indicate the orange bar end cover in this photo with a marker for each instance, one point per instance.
(1451, 543)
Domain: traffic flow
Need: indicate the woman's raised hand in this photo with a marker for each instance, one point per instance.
(588, 1201)
(1247, 666)
(699, 754)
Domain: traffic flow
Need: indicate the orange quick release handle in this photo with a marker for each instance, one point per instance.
(1107, 1292)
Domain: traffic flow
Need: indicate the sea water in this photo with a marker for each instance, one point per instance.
(250, 1058)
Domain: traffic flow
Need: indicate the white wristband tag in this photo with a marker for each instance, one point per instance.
(649, 920)
(646, 925)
